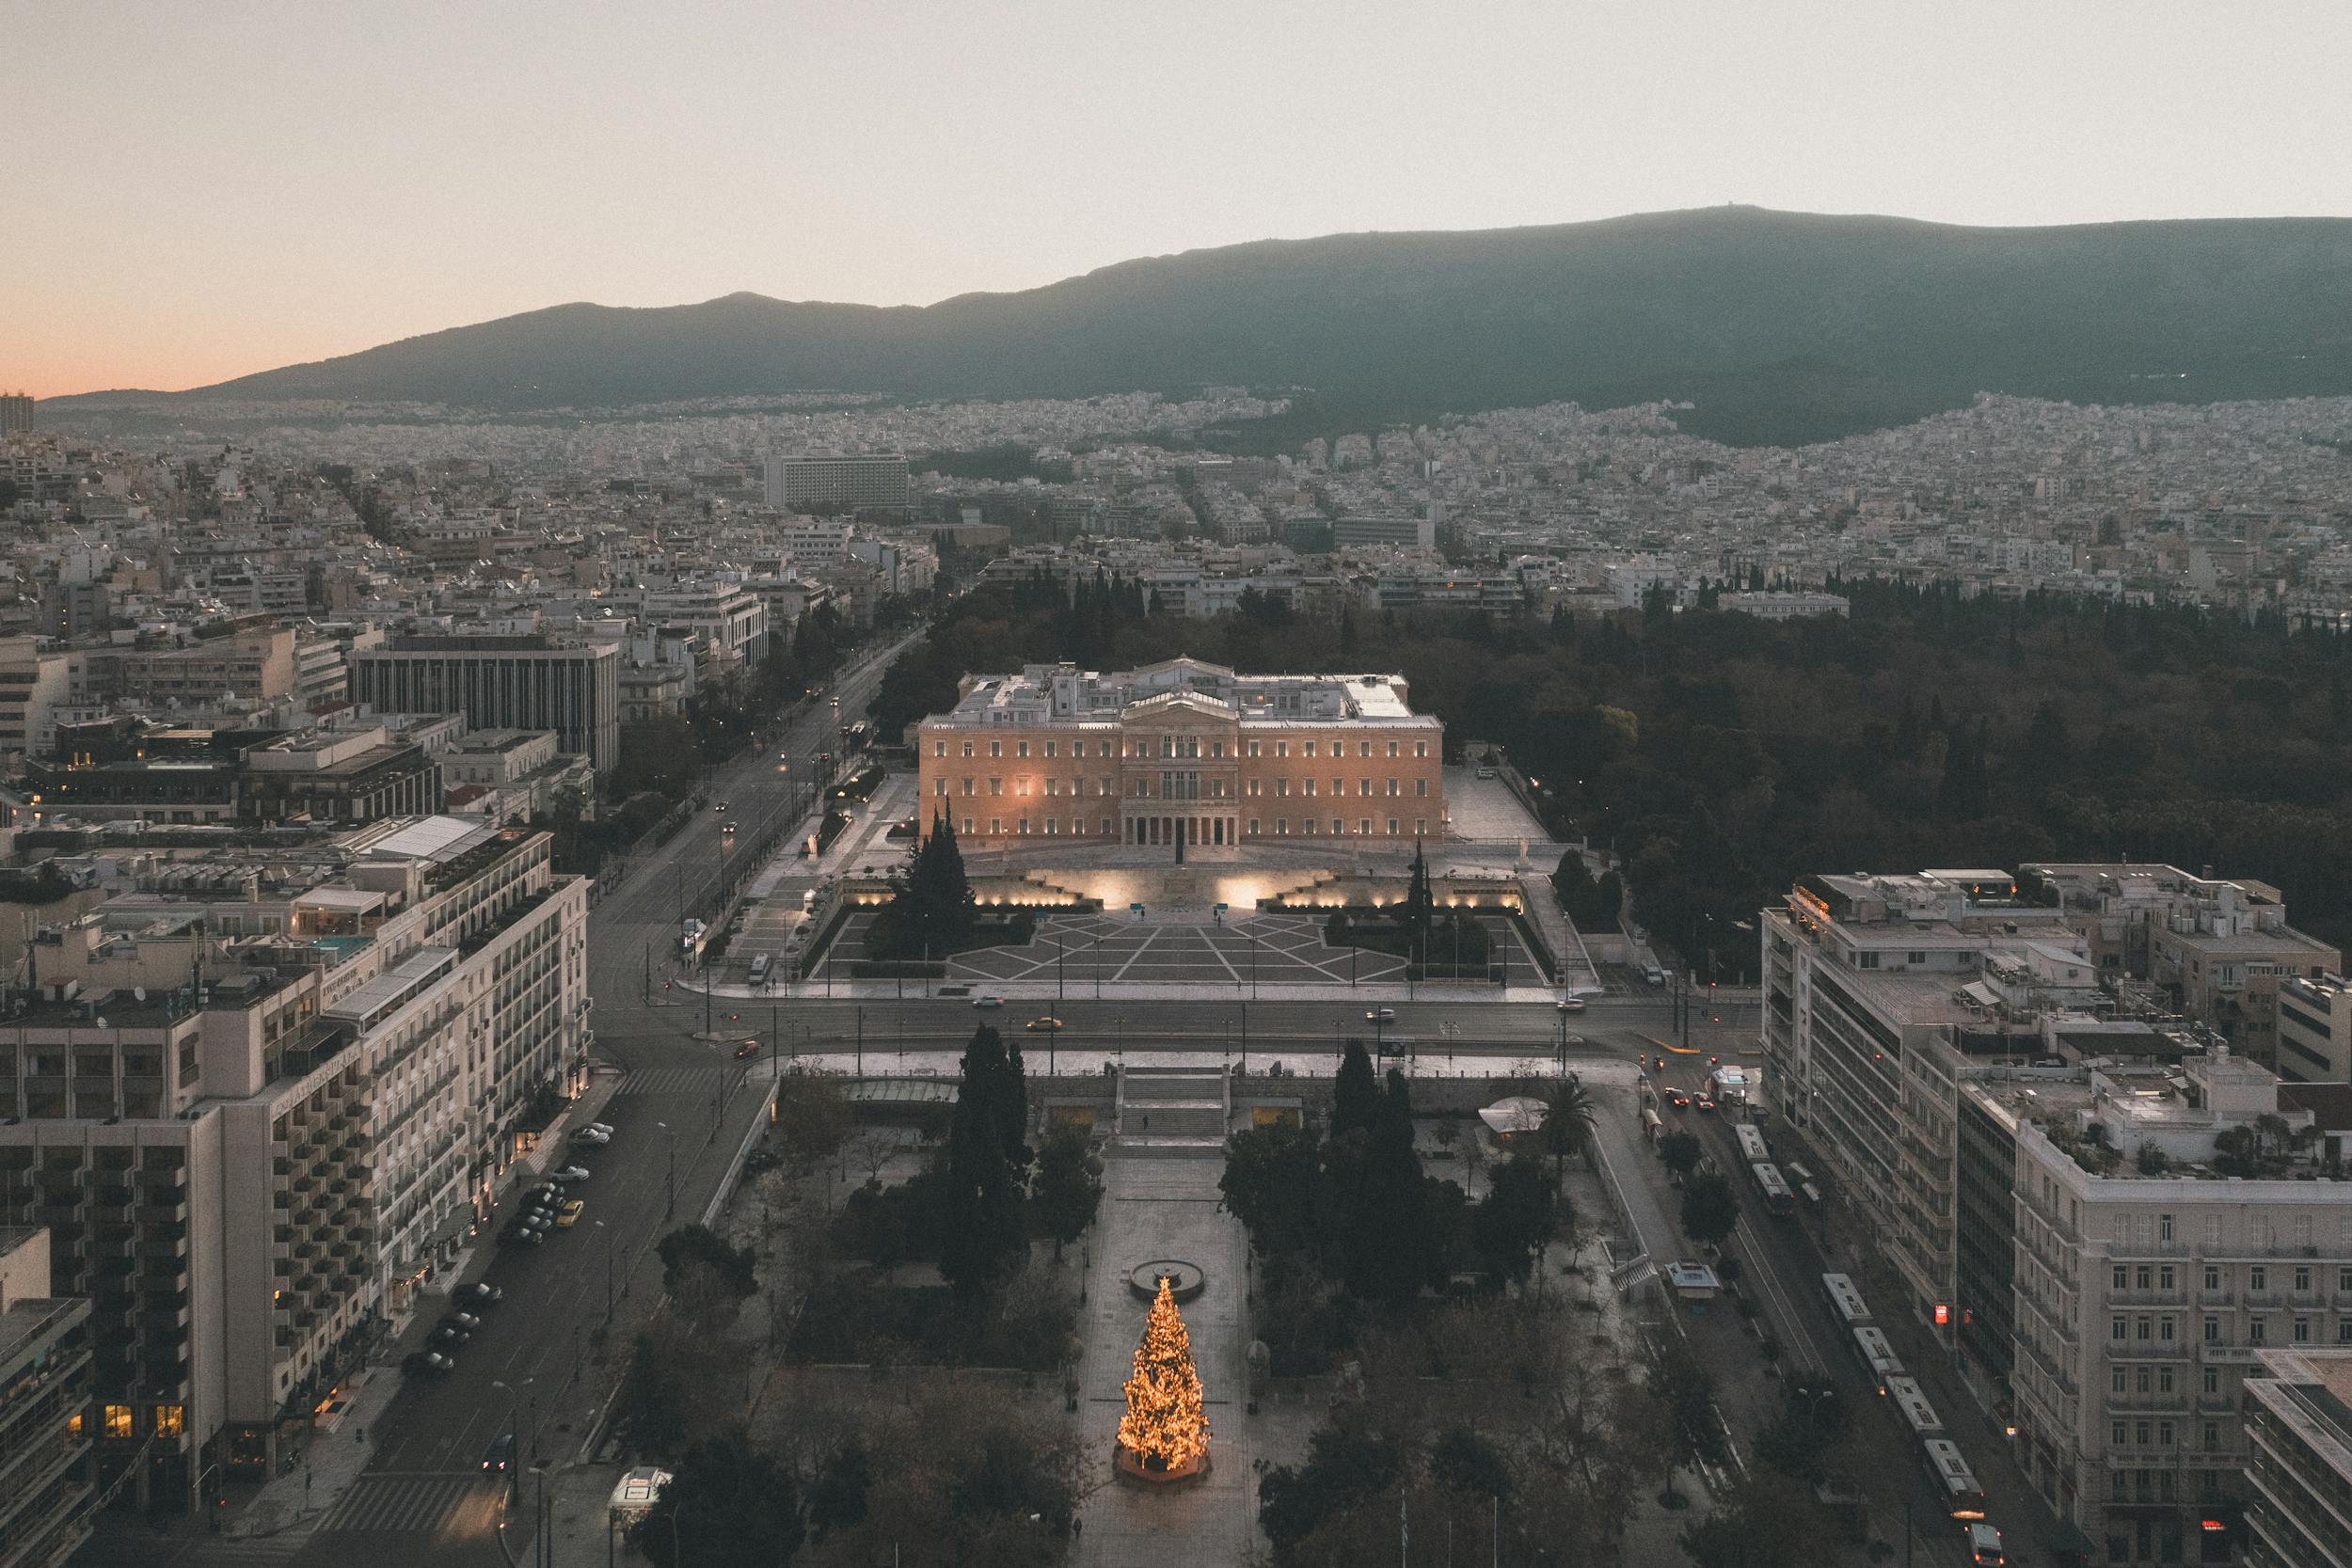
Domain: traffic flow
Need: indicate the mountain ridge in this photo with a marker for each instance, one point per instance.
(1778, 326)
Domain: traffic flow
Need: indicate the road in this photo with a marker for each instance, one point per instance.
(1781, 1266)
(424, 1494)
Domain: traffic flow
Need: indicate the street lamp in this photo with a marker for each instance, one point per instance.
(514, 1400)
(608, 1270)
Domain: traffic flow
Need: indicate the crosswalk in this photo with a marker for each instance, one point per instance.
(669, 1080)
(411, 1502)
(257, 1551)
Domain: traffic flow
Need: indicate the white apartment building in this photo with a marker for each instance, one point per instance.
(841, 482)
(1879, 993)
(729, 618)
(2316, 1030)
(283, 1112)
(2299, 1424)
(2150, 1274)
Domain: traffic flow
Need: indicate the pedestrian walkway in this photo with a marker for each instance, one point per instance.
(669, 1080)
(230, 1551)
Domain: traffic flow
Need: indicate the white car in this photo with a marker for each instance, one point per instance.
(568, 1175)
(1571, 1003)
(590, 1136)
(985, 1003)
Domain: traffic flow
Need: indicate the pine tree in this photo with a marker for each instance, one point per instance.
(1355, 1093)
(1420, 907)
(1165, 1427)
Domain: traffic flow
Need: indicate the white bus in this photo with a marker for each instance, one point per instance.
(1845, 1300)
(1948, 1473)
(1912, 1406)
(1778, 1199)
(1876, 1355)
(1752, 1147)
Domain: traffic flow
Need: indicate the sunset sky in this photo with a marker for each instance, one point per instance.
(198, 191)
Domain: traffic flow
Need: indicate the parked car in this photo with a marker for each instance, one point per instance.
(465, 1321)
(479, 1293)
(521, 1235)
(568, 1175)
(603, 1127)
(542, 1194)
(427, 1363)
(569, 1215)
(499, 1455)
(447, 1339)
(590, 1136)
(535, 1220)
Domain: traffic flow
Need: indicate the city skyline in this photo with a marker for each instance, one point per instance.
(256, 197)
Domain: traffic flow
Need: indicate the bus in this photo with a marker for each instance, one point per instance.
(1912, 1406)
(1877, 1356)
(1752, 1147)
(1948, 1473)
(1778, 1199)
(1845, 1300)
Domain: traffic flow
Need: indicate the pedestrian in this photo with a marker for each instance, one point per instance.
(359, 1435)
(1077, 1528)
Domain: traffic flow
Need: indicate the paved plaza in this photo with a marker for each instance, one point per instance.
(1074, 951)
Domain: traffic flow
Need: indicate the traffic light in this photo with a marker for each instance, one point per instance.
(1943, 1315)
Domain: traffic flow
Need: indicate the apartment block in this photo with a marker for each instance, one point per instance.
(261, 1116)
(2315, 1029)
(1183, 756)
(2298, 1426)
(839, 482)
(729, 618)
(2171, 1222)
(1880, 993)
(45, 1417)
(2216, 950)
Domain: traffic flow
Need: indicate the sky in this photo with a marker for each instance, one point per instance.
(197, 191)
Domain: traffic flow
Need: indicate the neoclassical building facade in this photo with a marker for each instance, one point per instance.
(1184, 755)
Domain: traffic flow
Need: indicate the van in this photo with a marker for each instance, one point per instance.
(759, 969)
(1984, 1545)
(1654, 975)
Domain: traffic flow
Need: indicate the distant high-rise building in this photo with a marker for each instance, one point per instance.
(16, 414)
(868, 483)
(1403, 532)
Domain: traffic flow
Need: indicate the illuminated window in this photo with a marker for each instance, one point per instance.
(172, 1420)
(116, 1421)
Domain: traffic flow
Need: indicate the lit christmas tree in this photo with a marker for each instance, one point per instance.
(1164, 1428)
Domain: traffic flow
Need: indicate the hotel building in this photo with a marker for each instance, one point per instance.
(1184, 757)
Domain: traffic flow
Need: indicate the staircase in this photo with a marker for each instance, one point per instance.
(1172, 1112)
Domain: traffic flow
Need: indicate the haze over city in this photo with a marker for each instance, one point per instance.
(206, 191)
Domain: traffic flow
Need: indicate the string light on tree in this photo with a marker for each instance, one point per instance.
(1164, 1434)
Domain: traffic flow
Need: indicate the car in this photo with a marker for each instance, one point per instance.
(720, 808)
(534, 1220)
(479, 1293)
(465, 1321)
(542, 1194)
(1571, 1003)
(1043, 1025)
(1678, 1098)
(988, 1002)
(1485, 772)
(427, 1363)
(569, 1215)
(746, 1048)
(603, 1127)
(727, 828)
(1654, 975)
(1380, 1015)
(1984, 1545)
(447, 1339)
(1705, 1101)
(499, 1455)
(590, 1136)
(521, 1235)
(568, 1175)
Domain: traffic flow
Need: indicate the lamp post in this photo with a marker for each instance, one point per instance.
(514, 1401)
(608, 1270)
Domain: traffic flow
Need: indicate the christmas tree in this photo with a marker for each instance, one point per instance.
(1164, 1428)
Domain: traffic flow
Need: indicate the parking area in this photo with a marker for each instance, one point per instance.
(1484, 810)
(1264, 949)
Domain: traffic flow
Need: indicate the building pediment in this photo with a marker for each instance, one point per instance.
(1180, 710)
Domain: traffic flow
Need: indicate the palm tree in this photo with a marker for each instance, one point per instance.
(1568, 1109)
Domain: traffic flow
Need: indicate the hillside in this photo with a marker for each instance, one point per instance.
(1778, 326)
